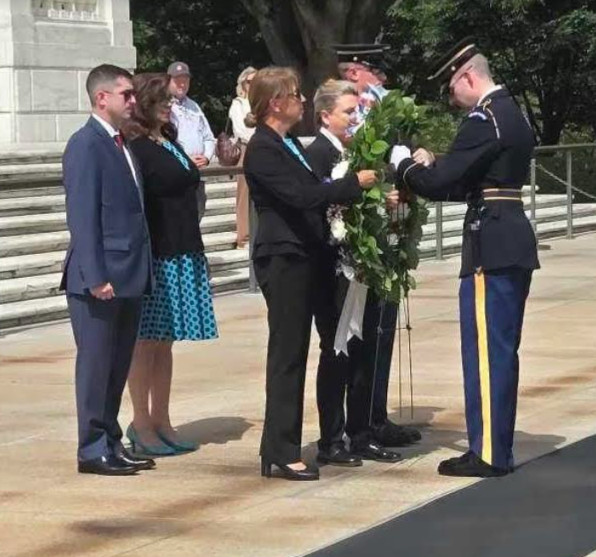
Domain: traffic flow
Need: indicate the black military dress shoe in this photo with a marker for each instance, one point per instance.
(106, 466)
(131, 460)
(374, 451)
(338, 456)
(393, 435)
(470, 465)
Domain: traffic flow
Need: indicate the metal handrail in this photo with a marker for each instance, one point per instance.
(567, 182)
(535, 167)
(569, 147)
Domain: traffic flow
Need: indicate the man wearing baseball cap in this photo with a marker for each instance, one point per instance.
(194, 131)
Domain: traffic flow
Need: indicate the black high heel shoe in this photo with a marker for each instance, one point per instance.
(287, 473)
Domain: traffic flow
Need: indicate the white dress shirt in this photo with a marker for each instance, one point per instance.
(113, 133)
(194, 131)
(334, 140)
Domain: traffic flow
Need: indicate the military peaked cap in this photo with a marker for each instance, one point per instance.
(448, 64)
(371, 55)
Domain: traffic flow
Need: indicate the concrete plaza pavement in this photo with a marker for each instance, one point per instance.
(213, 502)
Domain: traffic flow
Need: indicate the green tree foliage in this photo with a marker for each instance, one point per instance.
(217, 38)
(545, 51)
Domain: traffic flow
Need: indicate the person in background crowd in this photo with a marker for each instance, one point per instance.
(239, 109)
(290, 249)
(107, 269)
(181, 306)
(362, 65)
(194, 132)
(335, 104)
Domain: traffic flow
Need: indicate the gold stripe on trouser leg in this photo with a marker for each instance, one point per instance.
(484, 367)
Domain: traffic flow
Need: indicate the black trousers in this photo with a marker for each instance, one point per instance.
(350, 381)
(287, 283)
(384, 316)
(334, 372)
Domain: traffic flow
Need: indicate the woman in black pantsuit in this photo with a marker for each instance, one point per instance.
(289, 246)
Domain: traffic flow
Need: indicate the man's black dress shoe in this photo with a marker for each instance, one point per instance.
(374, 451)
(338, 456)
(470, 465)
(131, 460)
(393, 435)
(106, 466)
(307, 475)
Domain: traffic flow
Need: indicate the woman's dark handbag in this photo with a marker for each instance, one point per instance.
(228, 151)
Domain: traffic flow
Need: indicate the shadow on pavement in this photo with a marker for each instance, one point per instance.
(218, 430)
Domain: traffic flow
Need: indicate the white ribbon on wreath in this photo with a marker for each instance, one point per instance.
(352, 313)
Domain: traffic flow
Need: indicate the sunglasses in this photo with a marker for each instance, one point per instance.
(127, 94)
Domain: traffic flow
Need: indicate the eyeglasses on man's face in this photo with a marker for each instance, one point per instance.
(127, 94)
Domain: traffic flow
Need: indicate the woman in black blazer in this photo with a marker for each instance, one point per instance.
(181, 305)
(290, 243)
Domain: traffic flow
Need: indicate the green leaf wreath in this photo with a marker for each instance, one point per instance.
(380, 247)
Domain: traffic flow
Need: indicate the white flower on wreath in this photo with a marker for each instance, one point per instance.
(338, 229)
(340, 170)
(381, 211)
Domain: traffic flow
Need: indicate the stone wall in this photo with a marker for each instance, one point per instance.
(47, 48)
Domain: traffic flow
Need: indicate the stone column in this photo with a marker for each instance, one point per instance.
(47, 48)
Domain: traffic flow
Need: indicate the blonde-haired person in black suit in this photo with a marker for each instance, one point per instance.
(336, 103)
(289, 246)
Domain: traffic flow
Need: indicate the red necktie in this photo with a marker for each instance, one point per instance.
(119, 141)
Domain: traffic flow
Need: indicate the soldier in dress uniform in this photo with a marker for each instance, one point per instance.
(365, 65)
(486, 166)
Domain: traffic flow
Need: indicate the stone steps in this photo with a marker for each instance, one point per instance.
(555, 228)
(219, 195)
(34, 237)
(40, 310)
(11, 246)
(225, 188)
(545, 214)
(53, 222)
(456, 211)
(222, 264)
(32, 265)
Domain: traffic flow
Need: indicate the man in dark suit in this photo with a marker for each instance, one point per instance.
(107, 269)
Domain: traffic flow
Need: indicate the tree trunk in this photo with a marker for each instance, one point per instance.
(300, 33)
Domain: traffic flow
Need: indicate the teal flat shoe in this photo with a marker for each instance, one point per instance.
(178, 446)
(149, 450)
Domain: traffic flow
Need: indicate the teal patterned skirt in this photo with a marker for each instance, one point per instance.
(181, 305)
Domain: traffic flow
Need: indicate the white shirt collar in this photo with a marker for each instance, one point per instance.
(106, 125)
(489, 92)
(334, 140)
